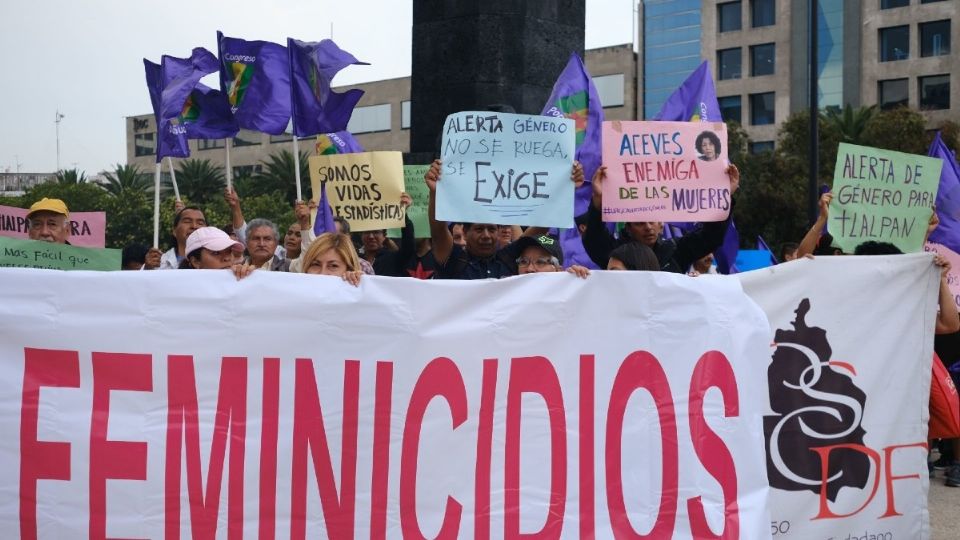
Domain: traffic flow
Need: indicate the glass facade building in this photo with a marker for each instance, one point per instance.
(830, 53)
(671, 47)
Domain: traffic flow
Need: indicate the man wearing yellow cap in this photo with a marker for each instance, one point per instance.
(49, 221)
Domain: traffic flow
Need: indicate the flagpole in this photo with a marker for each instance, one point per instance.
(173, 178)
(296, 172)
(229, 169)
(156, 206)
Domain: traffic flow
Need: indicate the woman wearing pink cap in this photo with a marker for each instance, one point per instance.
(209, 248)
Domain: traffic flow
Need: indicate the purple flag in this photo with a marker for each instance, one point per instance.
(207, 115)
(341, 142)
(171, 141)
(316, 108)
(761, 245)
(573, 250)
(726, 255)
(323, 223)
(575, 97)
(948, 196)
(694, 100)
(255, 76)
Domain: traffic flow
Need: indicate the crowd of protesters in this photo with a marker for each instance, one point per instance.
(472, 251)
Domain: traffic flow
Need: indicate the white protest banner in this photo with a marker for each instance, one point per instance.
(392, 411)
(363, 187)
(849, 383)
(164, 405)
(87, 229)
(508, 169)
(665, 171)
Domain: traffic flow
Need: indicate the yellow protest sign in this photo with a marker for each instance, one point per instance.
(363, 188)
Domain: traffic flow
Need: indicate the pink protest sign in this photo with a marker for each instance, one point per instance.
(665, 171)
(953, 276)
(87, 229)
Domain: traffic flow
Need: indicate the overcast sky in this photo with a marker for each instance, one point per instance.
(85, 58)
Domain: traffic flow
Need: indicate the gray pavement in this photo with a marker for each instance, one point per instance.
(944, 504)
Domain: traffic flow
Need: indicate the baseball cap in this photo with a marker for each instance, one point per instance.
(49, 205)
(211, 238)
(548, 243)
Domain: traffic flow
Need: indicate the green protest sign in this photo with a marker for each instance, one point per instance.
(883, 196)
(19, 253)
(418, 191)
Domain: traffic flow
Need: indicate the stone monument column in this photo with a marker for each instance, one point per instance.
(470, 54)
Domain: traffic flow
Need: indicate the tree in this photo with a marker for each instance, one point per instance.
(200, 181)
(71, 176)
(950, 133)
(278, 175)
(127, 178)
(901, 129)
(82, 197)
(793, 148)
(850, 123)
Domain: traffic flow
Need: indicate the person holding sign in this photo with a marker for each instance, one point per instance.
(480, 258)
(186, 220)
(332, 254)
(49, 221)
(673, 255)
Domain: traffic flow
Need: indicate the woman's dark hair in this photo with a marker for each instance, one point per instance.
(877, 248)
(185, 263)
(708, 135)
(636, 256)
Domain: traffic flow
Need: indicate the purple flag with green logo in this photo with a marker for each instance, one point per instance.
(315, 107)
(323, 223)
(341, 142)
(948, 196)
(255, 76)
(207, 114)
(575, 97)
(694, 100)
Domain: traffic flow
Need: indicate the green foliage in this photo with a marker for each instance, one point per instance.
(950, 133)
(129, 218)
(71, 176)
(771, 201)
(79, 197)
(278, 175)
(793, 148)
(850, 123)
(200, 181)
(126, 178)
(901, 129)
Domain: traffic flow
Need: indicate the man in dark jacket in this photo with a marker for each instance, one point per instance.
(674, 256)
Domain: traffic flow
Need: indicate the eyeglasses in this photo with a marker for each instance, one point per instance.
(541, 262)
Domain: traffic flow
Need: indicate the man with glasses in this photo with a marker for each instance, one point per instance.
(542, 254)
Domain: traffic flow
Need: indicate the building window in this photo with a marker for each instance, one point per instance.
(893, 93)
(731, 109)
(728, 16)
(610, 89)
(370, 119)
(246, 137)
(935, 38)
(760, 147)
(894, 43)
(405, 114)
(762, 59)
(930, 1)
(763, 13)
(144, 144)
(935, 92)
(282, 138)
(730, 63)
(889, 4)
(208, 144)
(761, 109)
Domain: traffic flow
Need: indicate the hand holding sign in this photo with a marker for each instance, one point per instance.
(666, 171)
(510, 169)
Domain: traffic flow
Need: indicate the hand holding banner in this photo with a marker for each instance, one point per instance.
(883, 196)
(364, 188)
(665, 171)
(509, 169)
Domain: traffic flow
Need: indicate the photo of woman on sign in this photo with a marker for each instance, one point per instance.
(708, 146)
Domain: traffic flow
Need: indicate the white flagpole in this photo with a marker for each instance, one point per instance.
(156, 206)
(229, 169)
(173, 178)
(296, 161)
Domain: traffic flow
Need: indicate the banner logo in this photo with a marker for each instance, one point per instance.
(816, 404)
(576, 107)
(237, 87)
